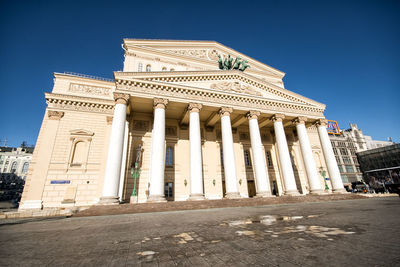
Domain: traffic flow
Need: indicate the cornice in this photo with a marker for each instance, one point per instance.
(184, 76)
(70, 102)
(181, 93)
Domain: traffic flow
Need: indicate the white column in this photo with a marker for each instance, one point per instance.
(309, 162)
(330, 160)
(115, 148)
(156, 191)
(284, 156)
(196, 165)
(262, 180)
(123, 163)
(229, 154)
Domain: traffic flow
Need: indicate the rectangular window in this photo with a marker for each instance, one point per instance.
(338, 160)
(349, 168)
(343, 151)
(344, 179)
(269, 159)
(335, 151)
(221, 153)
(169, 190)
(355, 160)
(247, 160)
(340, 168)
(346, 160)
(169, 156)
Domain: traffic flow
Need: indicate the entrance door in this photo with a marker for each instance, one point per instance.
(251, 188)
(169, 191)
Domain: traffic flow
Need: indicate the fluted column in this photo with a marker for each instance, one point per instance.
(309, 162)
(196, 165)
(229, 154)
(284, 156)
(262, 180)
(330, 160)
(115, 149)
(157, 161)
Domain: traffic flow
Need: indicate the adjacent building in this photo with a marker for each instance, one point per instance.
(15, 160)
(346, 144)
(381, 165)
(184, 120)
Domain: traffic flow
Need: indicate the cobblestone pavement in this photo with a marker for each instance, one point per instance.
(360, 232)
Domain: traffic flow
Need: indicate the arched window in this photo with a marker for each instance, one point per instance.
(13, 167)
(79, 153)
(164, 69)
(169, 157)
(247, 160)
(140, 67)
(148, 68)
(25, 167)
(172, 69)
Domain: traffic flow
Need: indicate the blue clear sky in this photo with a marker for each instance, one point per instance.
(341, 53)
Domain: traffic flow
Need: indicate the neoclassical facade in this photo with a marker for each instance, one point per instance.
(182, 121)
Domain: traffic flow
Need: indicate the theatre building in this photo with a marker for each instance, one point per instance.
(184, 120)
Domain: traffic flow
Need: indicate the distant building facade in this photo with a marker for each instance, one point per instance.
(345, 146)
(15, 160)
(381, 164)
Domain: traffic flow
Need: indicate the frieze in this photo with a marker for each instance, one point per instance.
(235, 87)
(199, 53)
(89, 89)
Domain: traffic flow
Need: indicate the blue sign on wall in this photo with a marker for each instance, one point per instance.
(60, 182)
(327, 178)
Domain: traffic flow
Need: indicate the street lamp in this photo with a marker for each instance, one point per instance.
(135, 169)
(323, 173)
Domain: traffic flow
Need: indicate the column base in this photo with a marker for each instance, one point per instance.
(317, 192)
(31, 205)
(339, 191)
(263, 194)
(109, 201)
(232, 195)
(156, 198)
(292, 193)
(133, 199)
(196, 197)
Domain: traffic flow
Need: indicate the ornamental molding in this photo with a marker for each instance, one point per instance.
(68, 102)
(299, 120)
(160, 103)
(225, 111)
(277, 117)
(55, 115)
(236, 87)
(194, 107)
(183, 93)
(121, 98)
(89, 89)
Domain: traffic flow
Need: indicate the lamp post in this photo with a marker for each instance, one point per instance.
(323, 173)
(135, 170)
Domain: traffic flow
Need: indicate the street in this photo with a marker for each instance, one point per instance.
(361, 232)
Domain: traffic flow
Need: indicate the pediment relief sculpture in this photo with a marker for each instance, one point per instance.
(235, 87)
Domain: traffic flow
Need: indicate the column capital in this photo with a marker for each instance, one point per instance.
(225, 111)
(121, 98)
(277, 117)
(55, 115)
(194, 107)
(321, 122)
(252, 114)
(299, 120)
(160, 103)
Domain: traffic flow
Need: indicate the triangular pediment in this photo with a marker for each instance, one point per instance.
(206, 51)
(229, 82)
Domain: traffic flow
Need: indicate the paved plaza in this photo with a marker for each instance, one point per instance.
(360, 232)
